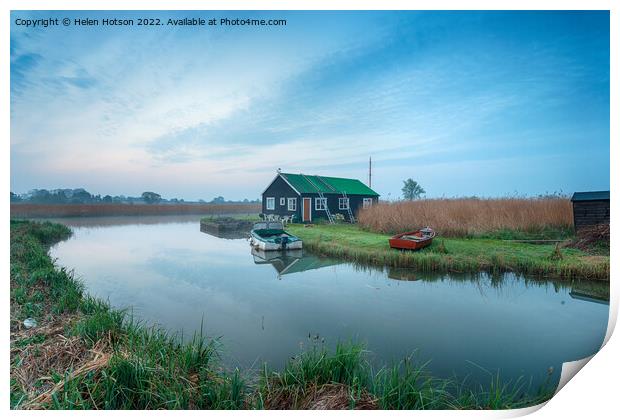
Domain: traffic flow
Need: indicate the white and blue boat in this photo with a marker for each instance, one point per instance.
(271, 236)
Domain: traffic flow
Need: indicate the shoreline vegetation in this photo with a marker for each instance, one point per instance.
(489, 253)
(30, 210)
(84, 354)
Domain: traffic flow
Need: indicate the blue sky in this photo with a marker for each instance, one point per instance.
(466, 103)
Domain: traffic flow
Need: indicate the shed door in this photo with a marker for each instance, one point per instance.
(306, 210)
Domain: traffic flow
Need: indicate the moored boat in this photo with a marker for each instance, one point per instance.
(413, 240)
(271, 236)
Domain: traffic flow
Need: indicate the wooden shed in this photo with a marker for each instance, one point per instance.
(312, 197)
(590, 208)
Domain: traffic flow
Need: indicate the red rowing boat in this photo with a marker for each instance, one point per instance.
(416, 239)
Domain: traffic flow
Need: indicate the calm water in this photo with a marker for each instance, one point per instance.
(172, 274)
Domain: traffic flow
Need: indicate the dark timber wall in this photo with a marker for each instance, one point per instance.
(589, 213)
(281, 189)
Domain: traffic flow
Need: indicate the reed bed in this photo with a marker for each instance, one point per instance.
(70, 210)
(471, 217)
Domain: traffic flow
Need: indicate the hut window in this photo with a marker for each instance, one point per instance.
(367, 202)
(343, 203)
(271, 203)
(320, 203)
(292, 204)
(282, 201)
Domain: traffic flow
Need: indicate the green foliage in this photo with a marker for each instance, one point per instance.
(412, 190)
(404, 386)
(441, 248)
(18, 396)
(151, 197)
(556, 255)
(100, 323)
(35, 339)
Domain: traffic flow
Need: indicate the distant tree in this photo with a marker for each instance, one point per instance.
(218, 200)
(150, 197)
(80, 195)
(40, 196)
(412, 190)
(107, 199)
(15, 198)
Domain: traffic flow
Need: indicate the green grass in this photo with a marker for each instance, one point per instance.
(253, 217)
(467, 255)
(404, 386)
(124, 364)
(537, 234)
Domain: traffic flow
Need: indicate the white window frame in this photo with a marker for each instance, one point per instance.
(271, 200)
(282, 201)
(343, 203)
(367, 203)
(322, 202)
(292, 204)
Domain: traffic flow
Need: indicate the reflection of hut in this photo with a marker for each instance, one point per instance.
(590, 208)
(292, 261)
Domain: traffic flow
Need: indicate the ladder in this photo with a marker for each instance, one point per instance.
(351, 217)
(323, 199)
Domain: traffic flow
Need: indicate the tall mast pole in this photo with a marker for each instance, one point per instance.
(370, 172)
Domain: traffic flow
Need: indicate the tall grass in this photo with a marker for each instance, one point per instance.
(345, 379)
(470, 217)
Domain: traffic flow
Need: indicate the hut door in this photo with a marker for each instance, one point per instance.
(306, 209)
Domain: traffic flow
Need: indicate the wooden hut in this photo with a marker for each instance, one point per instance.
(590, 208)
(311, 197)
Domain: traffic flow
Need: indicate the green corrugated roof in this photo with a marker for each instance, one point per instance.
(307, 263)
(327, 184)
(590, 196)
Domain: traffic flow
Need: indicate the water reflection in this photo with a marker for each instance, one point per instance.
(223, 233)
(178, 277)
(105, 221)
(291, 261)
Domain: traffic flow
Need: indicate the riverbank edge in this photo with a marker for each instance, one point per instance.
(332, 241)
(84, 354)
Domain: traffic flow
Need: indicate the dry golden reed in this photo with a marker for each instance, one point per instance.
(462, 217)
(66, 210)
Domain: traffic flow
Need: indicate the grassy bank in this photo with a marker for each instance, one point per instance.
(453, 254)
(26, 210)
(84, 354)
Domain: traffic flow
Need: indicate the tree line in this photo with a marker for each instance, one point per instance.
(81, 196)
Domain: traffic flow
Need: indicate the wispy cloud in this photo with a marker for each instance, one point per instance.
(219, 110)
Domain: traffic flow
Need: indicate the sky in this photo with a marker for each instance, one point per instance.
(466, 103)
